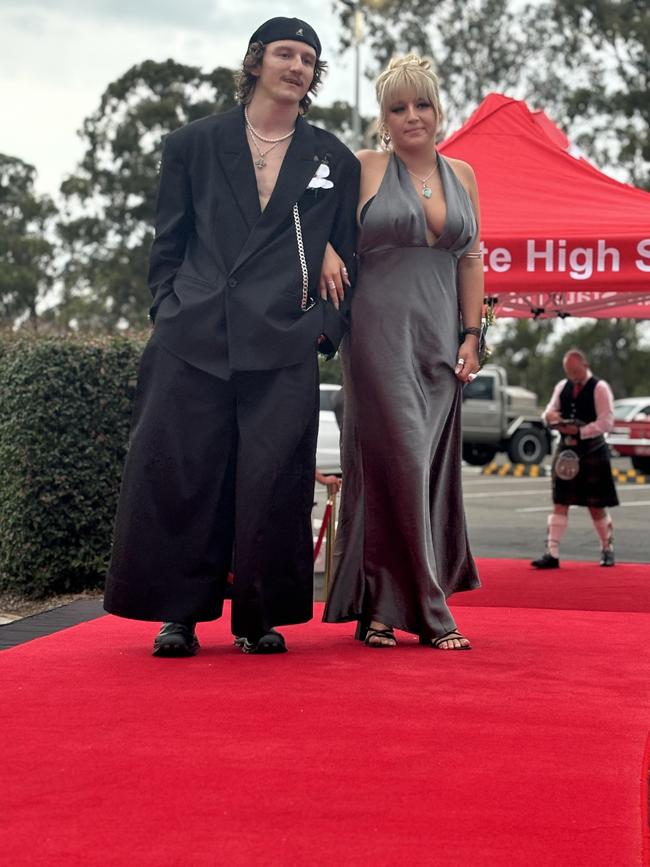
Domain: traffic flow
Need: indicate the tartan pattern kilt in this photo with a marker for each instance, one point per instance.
(593, 485)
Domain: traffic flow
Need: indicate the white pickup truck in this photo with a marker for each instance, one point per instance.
(498, 417)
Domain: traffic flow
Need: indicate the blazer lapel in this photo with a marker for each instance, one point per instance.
(298, 167)
(235, 157)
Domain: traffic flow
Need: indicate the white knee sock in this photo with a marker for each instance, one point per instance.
(556, 525)
(605, 532)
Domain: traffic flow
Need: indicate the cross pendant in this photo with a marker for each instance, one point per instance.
(260, 163)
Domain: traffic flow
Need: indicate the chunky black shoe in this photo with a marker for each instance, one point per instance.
(546, 561)
(607, 558)
(240, 640)
(270, 642)
(176, 639)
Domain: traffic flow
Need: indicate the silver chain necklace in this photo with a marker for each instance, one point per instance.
(426, 189)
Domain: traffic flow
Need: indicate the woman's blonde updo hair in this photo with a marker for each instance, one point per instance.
(406, 76)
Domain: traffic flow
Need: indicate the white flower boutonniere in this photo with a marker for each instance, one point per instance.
(321, 179)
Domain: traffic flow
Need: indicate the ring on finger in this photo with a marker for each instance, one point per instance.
(461, 361)
(331, 284)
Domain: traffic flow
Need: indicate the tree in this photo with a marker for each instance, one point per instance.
(586, 64)
(614, 352)
(337, 119)
(611, 102)
(523, 348)
(532, 353)
(26, 255)
(110, 200)
(476, 45)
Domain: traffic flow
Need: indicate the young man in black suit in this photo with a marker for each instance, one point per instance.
(221, 463)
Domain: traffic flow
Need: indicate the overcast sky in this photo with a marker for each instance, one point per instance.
(58, 56)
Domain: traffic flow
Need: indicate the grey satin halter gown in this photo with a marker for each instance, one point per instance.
(402, 545)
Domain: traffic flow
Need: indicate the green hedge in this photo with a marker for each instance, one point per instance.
(65, 408)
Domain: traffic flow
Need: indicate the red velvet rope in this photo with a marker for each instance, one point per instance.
(326, 519)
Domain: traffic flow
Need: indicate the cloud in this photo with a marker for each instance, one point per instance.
(58, 57)
(188, 14)
(220, 16)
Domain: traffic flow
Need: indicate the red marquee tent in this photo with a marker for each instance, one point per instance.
(559, 236)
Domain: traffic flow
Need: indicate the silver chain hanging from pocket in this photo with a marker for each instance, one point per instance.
(306, 302)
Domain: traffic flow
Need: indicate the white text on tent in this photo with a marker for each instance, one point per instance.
(556, 256)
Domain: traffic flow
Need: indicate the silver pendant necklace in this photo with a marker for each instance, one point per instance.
(426, 189)
(260, 162)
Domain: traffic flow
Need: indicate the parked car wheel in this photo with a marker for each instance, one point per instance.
(641, 464)
(478, 455)
(527, 446)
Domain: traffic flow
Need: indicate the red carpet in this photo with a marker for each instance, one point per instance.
(577, 586)
(529, 750)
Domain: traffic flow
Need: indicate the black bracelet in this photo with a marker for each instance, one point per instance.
(474, 331)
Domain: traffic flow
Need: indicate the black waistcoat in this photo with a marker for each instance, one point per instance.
(583, 406)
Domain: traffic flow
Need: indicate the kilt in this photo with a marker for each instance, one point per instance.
(593, 486)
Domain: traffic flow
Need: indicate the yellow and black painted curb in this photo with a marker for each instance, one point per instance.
(630, 477)
(538, 471)
(533, 471)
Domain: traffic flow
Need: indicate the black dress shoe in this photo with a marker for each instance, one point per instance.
(607, 558)
(546, 561)
(176, 639)
(270, 642)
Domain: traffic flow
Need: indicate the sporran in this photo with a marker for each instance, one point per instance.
(567, 465)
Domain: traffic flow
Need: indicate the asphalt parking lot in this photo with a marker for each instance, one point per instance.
(506, 517)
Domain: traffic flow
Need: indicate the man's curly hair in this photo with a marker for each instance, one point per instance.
(245, 80)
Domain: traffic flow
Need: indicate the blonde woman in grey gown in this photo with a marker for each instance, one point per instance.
(402, 545)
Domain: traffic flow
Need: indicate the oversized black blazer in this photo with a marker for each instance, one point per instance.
(226, 277)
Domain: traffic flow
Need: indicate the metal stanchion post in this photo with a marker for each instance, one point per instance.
(330, 538)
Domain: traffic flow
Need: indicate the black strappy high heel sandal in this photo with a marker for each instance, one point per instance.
(448, 636)
(365, 633)
(379, 633)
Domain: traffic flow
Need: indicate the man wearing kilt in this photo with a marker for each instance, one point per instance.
(581, 409)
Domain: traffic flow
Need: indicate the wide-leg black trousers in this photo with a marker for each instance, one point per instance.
(219, 475)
